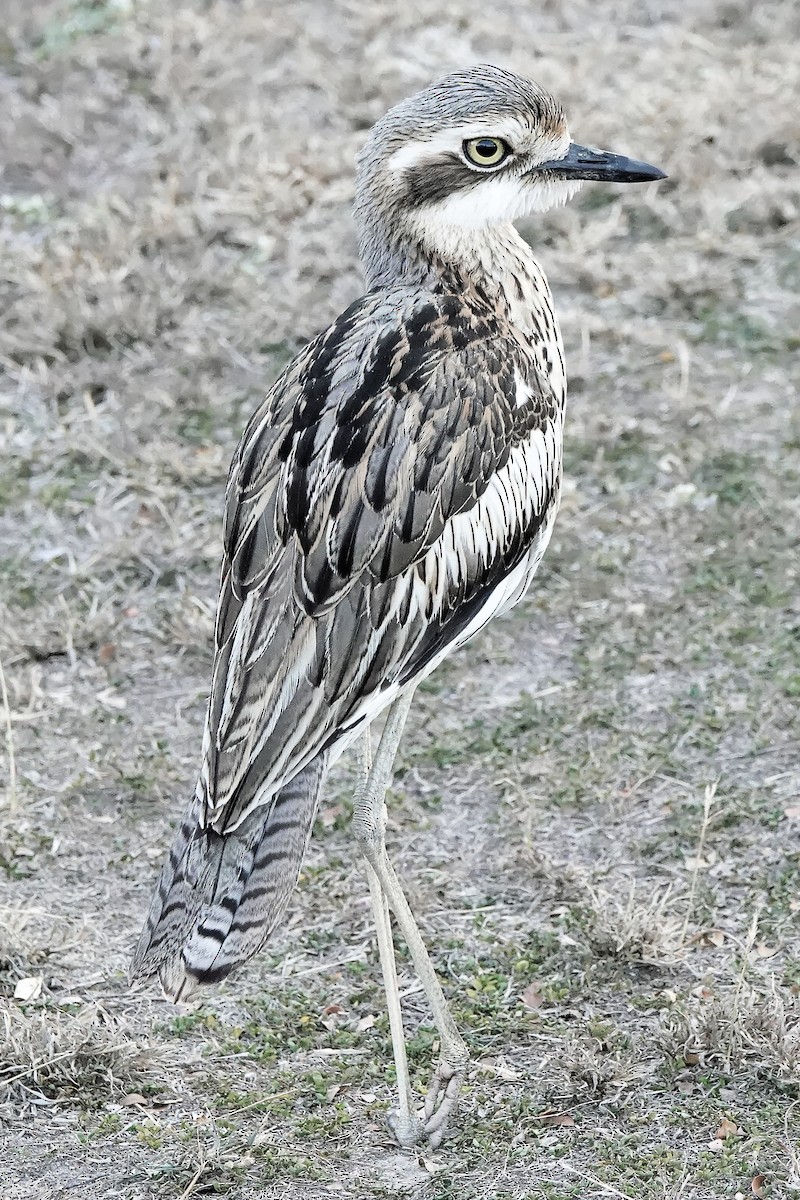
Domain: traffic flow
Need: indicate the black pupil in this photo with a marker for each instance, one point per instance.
(486, 148)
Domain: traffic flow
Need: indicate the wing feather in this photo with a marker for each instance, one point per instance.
(401, 467)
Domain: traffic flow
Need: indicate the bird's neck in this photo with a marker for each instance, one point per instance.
(492, 258)
(493, 262)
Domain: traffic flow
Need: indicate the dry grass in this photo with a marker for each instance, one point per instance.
(11, 761)
(77, 1057)
(742, 1028)
(24, 945)
(174, 221)
(636, 926)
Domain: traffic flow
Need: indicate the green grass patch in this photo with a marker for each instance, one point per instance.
(82, 19)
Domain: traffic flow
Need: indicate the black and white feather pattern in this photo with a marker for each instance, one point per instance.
(394, 491)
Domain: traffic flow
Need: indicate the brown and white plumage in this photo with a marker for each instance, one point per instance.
(396, 476)
(395, 490)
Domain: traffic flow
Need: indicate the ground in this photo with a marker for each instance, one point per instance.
(596, 809)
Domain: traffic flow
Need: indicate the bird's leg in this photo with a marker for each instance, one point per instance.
(442, 1098)
(368, 826)
(404, 1123)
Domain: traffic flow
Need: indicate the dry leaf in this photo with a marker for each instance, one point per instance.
(366, 1022)
(713, 937)
(701, 864)
(532, 996)
(133, 1099)
(792, 811)
(29, 988)
(716, 1145)
(328, 1016)
(691, 1058)
(728, 1129)
(107, 653)
(685, 1087)
(328, 816)
(556, 1118)
(333, 1091)
(110, 698)
(431, 1166)
(757, 1185)
(762, 950)
(506, 1073)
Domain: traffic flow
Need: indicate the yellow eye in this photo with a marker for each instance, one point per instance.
(486, 151)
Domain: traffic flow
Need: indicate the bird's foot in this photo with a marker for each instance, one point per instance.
(441, 1101)
(407, 1129)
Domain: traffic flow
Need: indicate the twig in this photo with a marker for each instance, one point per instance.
(790, 1142)
(708, 800)
(751, 937)
(235, 1112)
(605, 1188)
(194, 1181)
(12, 762)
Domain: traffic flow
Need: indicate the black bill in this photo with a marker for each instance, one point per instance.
(581, 162)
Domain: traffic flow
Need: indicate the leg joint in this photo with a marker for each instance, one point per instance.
(368, 833)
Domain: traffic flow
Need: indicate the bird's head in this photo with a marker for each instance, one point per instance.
(477, 148)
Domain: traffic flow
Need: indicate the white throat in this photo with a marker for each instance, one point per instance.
(499, 200)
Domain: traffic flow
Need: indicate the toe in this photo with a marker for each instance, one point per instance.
(408, 1131)
(441, 1103)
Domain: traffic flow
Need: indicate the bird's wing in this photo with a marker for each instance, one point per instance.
(396, 473)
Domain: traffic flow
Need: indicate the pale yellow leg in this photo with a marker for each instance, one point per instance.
(369, 828)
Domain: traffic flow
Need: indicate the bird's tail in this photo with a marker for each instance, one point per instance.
(220, 895)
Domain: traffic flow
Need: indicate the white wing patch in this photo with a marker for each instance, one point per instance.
(528, 484)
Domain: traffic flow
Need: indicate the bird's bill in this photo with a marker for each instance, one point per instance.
(582, 162)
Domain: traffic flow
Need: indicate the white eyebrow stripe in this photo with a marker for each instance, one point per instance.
(448, 141)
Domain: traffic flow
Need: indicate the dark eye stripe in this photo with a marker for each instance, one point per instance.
(434, 180)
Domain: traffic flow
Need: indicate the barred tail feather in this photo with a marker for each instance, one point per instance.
(220, 895)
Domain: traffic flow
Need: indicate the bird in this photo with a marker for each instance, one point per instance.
(394, 492)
